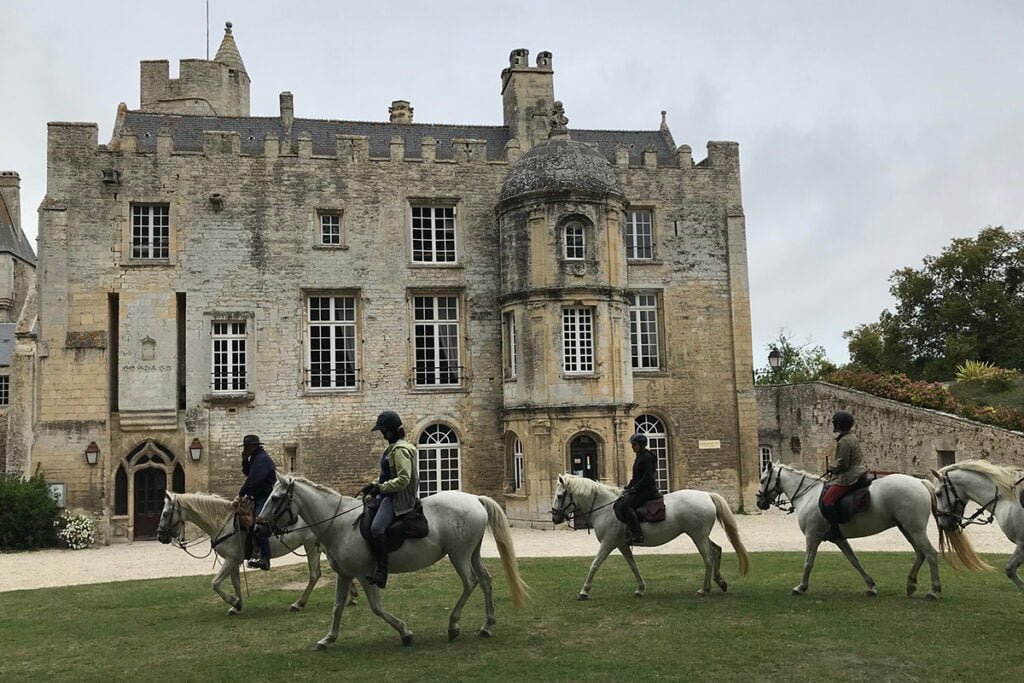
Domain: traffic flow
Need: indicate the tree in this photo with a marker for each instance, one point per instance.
(799, 363)
(965, 304)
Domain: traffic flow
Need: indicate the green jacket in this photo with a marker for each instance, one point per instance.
(849, 462)
(404, 484)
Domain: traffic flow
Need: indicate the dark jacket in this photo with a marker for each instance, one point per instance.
(644, 481)
(260, 475)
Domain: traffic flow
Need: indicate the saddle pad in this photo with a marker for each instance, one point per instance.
(412, 524)
(654, 511)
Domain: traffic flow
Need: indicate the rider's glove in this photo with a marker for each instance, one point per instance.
(371, 489)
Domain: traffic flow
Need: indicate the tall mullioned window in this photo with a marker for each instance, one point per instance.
(438, 460)
(331, 342)
(643, 331)
(639, 235)
(575, 241)
(151, 224)
(229, 357)
(765, 458)
(578, 340)
(509, 350)
(433, 234)
(657, 443)
(5, 390)
(437, 340)
(518, 465)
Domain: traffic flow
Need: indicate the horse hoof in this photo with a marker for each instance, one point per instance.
(638, 594)
(232, 612)
(799, 591)
(724, 585)
(407, 640)
(871, 592)
(931, 595)
(294, 608)
(582, 596)
(453, 633)
(701, 593)
(484, 633)
(911, 589)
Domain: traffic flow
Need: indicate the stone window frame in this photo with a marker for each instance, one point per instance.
(248, 394)
(517, 465)
(574, 244)
(462, 365)
(659, 329)
(5, 390)
(586, 364)
(630, 239)
(319, 215)
(764, 457)
(509, 345)
(357, 339)
(432, 453)
(434, 203)
(128, 258)
(234, 343)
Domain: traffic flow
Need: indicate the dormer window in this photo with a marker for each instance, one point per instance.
(575, 241)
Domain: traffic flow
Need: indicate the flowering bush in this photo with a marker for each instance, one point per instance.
(75, 531)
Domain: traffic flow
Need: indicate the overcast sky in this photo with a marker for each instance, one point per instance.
(871, 133)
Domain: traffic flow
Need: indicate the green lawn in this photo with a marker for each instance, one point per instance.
(176, 629)
(977, 392)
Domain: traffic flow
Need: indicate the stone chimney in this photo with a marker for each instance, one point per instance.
(401, 112)
(10, 197)
(287, 114)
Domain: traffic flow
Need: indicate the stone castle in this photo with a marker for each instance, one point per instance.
(526, 295)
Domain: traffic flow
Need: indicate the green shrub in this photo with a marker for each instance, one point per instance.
(27, 514)
(76, 532)
(975, 371)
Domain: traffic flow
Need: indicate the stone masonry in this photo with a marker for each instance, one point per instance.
(129, 335)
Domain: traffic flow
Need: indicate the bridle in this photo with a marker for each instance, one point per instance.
(278, 511)
(956, 510)
(569, 511)
(178, 540)
(787, 504)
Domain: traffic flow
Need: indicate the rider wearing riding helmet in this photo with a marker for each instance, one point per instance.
(397, 488)
(642, 488)
(847, 469)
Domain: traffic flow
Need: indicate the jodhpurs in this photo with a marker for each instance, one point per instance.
(384, 517)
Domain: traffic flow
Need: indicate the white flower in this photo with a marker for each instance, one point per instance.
(77, 531)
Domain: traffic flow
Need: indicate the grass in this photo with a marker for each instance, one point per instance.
(977, 392)
(176, 629)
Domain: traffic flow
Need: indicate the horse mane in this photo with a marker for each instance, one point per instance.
(313, 484)
(581, 486)
(1003, 477)
(209, 506)
(797, 470)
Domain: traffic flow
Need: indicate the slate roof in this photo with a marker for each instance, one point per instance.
(12, 239)
(187, 132)
(6, 343)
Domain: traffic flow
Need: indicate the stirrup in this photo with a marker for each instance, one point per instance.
(378, 579)
(633, 538)
(259, 564)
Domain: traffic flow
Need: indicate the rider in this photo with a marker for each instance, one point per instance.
(640, 489)
(260, 475)
(844, 472)
(397, 488)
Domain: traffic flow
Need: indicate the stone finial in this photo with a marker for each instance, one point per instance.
(559, 121)
(664, 120)
(227, 27)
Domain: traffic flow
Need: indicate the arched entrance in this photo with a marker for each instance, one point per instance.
(150, 485)
(583, 457)
(142, 478)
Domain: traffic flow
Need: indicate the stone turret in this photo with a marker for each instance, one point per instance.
(210, 88)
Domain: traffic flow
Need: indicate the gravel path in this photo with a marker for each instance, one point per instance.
(772, 530)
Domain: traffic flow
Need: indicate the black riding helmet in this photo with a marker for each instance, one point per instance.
(842, 421)
(639, 438)
(388, 421)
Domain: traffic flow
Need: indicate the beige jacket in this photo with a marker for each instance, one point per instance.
(849, 461)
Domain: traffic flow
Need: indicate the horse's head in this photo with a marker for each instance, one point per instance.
(771, 486)
(172, 520)
(949, 505)
(277, 513)
(563, 503)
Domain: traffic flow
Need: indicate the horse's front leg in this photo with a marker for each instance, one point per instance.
(627, 552)
(373, 599)
(1013, 564)
(228, 569)
(341, 586)
(844, 545)
(602, 555)
(313, 562)
(811, 551)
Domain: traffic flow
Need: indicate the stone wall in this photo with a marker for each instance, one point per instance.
(794, 421)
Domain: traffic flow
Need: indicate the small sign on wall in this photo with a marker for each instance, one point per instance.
(706, 444)
(58, 491)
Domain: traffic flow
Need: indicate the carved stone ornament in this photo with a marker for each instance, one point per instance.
(148, 348)
(559, 121)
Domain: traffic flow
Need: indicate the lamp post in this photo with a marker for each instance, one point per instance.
(774, 362)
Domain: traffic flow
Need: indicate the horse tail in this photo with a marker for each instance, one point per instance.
(497, 522)
(728, 522)
(963, 555)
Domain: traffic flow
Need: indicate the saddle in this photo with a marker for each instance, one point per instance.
(412, 524)
(653, 511)
(856, 499)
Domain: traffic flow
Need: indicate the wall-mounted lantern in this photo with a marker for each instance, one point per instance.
(92, 453)
(195, 450)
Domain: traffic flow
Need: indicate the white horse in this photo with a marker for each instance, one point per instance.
(996, 490)
(897, 500)
(215, 516)
(687, 512)
(456, 520)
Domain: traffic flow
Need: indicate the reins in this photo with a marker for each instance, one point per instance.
(987, 508)
(789, 504)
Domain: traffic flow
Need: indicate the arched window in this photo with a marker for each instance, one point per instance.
(121, 491)
(575, 241)
(438, 460)
(516, 464)
(657, 443)
(178, 479)
(765, 458)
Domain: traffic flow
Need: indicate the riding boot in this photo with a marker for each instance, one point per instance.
(379, 546)
(833, 534)
(634, 535)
